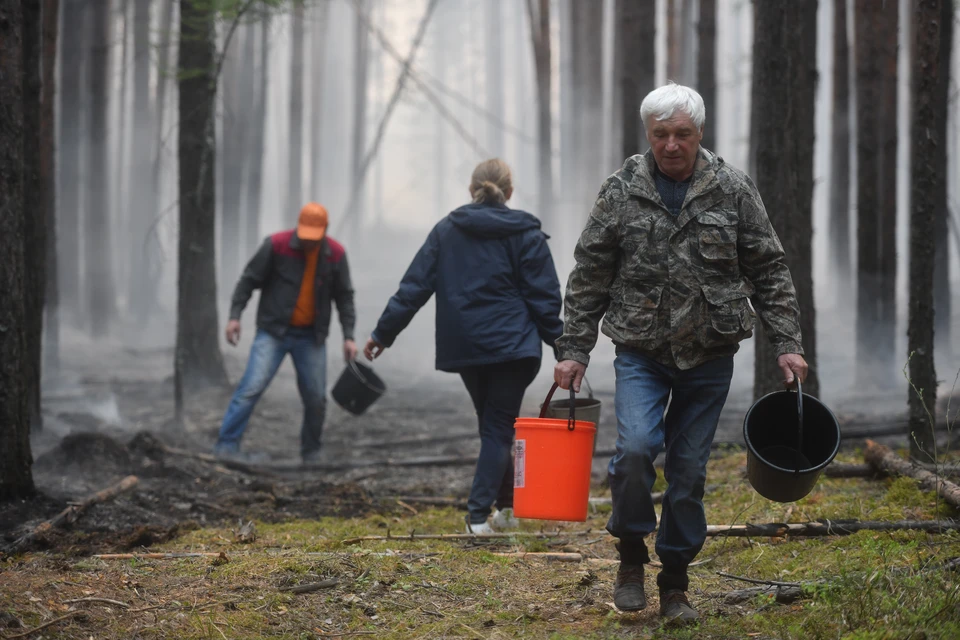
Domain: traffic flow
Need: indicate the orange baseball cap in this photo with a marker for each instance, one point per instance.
(313, 222)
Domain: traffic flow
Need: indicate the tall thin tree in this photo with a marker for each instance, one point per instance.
(231, 152)
(634, 67)
(295, 123)
(198, 362)
(254, 179)
(923, 187)
(493, 74)
(48, 173)
(707, 68)
(359, 138)
(98, 264)
(941, 278)
(318, 60)
(784, 92)
(16, 480)
(839, 236)
(539, 12)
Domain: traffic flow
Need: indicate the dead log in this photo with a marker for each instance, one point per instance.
(154, 556)
(312, 586)
(72, 513)
(828, 528)
(537, 555)
(472, 536)
(782, 595)
(882, 457)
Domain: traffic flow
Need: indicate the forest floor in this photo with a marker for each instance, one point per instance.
(103, 424)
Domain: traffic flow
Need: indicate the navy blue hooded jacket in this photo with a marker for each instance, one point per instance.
(497, 291)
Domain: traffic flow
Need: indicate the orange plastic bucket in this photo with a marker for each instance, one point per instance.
(552, 460)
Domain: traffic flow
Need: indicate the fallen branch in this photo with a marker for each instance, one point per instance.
(882, 457)
(769, 583)
(46, 624)
(312, 586)
(536, 555)
(471, 536)
(783, 595)
(116, 603)
(829, 528)
(154, 556)
(72, 513)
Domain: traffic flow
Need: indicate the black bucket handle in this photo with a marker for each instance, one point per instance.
(572, 418)
(799, 425)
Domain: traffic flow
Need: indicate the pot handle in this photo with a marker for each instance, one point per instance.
(799, 424)
(572, 418)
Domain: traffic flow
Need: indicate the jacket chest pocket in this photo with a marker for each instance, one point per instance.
(717, 238)
(644, 247)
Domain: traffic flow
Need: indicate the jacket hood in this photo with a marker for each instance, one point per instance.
(488, 221)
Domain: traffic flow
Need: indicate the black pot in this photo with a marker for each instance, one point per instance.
(357, 388)
(791, 437)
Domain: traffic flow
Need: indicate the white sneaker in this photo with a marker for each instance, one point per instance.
(483, 528)
(504, 520)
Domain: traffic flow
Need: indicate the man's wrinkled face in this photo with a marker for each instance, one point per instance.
(674, 143)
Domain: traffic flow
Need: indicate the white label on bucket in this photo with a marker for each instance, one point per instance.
(520, 447)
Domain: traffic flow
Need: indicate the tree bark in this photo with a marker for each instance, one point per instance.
(941, 269)
(98, 264)
(48, 173)
(840, 156)
(254, 179)
(73, 109)
(493, 61)
(868, 55)
(295, 137)
(198, 361)
(585, 154)
(231, 152)
(784, 89)
(882, 458)
(539, 12)
(166, 74)
(924, 176)
(359, 139)
(34, 204)
(707, 68)
(16, 480)
(634, 67)
(141, 161)
(318, 57)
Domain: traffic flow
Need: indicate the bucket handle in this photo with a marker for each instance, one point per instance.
(572, 418)
(799, 425)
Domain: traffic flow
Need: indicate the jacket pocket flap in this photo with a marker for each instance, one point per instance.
(722, 294)
(716, 219)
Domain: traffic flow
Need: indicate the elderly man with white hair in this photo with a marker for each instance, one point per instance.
(676, 248)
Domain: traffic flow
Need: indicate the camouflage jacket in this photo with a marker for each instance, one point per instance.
(676, 288)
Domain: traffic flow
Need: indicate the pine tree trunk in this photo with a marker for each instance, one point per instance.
(295, 137)
(98, 265)
(635, 67)
(707, 68)
(839, 236)
(494, 74)
(925, 174)
(120, 170)
(588, 67)
(34, 203)
(48, 173)
(73, 109)
(359, 139)
(198, 362)
(539, 11)
(16, 480)
(941, 272)
(254, 180)
(887, 227)
(231, 152)
(139, 188)
(165, 76)
(318, 58)
(784, 76)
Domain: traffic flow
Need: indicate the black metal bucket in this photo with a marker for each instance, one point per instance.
(357, 388)
(791, 437)
(588, 409)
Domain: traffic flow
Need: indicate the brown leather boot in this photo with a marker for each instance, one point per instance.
(628, 594)
(676, 609)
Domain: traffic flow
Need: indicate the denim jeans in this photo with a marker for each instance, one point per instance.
(644, 427)
(266, 354)
(497, 393)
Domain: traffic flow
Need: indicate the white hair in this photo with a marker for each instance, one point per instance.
(663, 102)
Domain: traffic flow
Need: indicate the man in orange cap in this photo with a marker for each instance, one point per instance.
(299, 272)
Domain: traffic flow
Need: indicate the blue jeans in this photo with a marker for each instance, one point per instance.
(696, 397)
(497, 393)
(266, 354)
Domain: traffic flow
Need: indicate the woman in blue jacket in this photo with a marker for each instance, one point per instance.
(498, 298)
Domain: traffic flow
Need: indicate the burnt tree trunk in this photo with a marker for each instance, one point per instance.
(887, 227)
(784, 89)
(840, 156)
(634, 67)
(295, 137)
(16, 480)
(198, 362)
(539, 12)
(98, 265)
(941, 270)
(707, 68)
(73, 108)
(165, 76)
(48, 173)
(254, 179)
(588, 100)
(34, 201)
(868, 56)
(925, 174)
(231, 152)
(141, 162)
